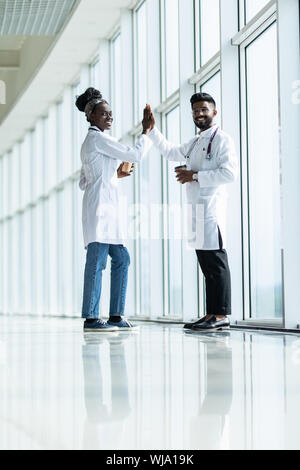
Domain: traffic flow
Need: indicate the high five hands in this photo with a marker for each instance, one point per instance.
(148, 124)
(148, 120)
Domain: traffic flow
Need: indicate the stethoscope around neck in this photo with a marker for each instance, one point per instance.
(208, 152)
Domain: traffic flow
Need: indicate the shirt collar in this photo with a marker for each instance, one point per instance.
(95, 128)
(208, 132)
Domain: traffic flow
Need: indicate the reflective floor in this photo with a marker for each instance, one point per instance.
(160, 388)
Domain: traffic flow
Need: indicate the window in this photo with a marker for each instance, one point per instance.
(141, 63)
(213, 88)
(95, 74)
(50, 136)
(171, 46)
(25, 177)
(264, 175)
(117, 86)
(174, 222)
(38, 158)
(76, 130)
(252, 7)
(144, 242)
(207, 30)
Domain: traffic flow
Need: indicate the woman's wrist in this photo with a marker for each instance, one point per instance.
(148, 130)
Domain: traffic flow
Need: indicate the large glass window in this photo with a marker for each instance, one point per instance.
(213, 88)
(252, 7)
(38, 158)
(264, 175)
(50, 136)
(144, 243)
(25, 177)
(171, 13)
(117, 86)
(208, 18)
(141, 63)
(65, 142)
(95, 74)
(76, 129)
(174, 191)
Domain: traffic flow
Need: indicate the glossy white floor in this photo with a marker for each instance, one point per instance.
(160, 388)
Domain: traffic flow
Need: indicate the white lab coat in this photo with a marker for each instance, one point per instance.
(207, 197)
(101, 156)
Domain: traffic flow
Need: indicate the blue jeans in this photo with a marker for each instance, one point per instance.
(96, 260)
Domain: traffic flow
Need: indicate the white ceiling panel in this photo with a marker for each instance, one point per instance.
(33, 17)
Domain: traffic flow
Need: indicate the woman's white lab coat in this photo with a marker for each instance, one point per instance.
(207, 197)
(101, 156)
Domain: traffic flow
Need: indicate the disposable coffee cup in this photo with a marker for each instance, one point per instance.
(126, 167)
(179, 167)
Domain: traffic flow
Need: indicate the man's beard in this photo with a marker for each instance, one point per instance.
(204, 124)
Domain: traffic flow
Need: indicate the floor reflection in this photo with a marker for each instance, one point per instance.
(162, 388)
(208, 427)
(98, 414)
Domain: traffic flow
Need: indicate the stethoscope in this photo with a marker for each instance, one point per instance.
(208, 152)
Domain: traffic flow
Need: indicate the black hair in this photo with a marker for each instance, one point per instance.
(202, 97)
(88, 95)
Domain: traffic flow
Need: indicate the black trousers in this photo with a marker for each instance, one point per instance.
(214, 265)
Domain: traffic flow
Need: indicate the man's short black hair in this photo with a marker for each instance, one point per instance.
(202, 97)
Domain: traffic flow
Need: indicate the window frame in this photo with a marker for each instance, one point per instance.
(249, 36)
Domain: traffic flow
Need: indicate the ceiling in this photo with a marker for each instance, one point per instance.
(33, 17)
(40, 66)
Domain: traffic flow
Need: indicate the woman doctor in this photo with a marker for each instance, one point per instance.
(102, 231)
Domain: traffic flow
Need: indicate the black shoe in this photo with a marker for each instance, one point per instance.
(212, 325)
(189, 326)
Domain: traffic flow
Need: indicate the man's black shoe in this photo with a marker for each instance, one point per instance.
(189, 326)
(212, 325)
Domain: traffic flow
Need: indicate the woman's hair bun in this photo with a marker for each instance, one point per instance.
(88, 95)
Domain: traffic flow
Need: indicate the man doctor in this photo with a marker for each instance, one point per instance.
(210, 163)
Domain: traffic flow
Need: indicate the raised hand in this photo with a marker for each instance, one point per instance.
(148, 120)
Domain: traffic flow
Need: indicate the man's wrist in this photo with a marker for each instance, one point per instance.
(195, 176)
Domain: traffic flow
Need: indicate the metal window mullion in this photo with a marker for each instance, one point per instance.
(171, 102)
(259, 31)
(163, 49)
(166, 297)
(196, 35)
(259, 22)
(242, 13)
(204, 72)
(245, 184)
(135, 64)
(207, 77)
